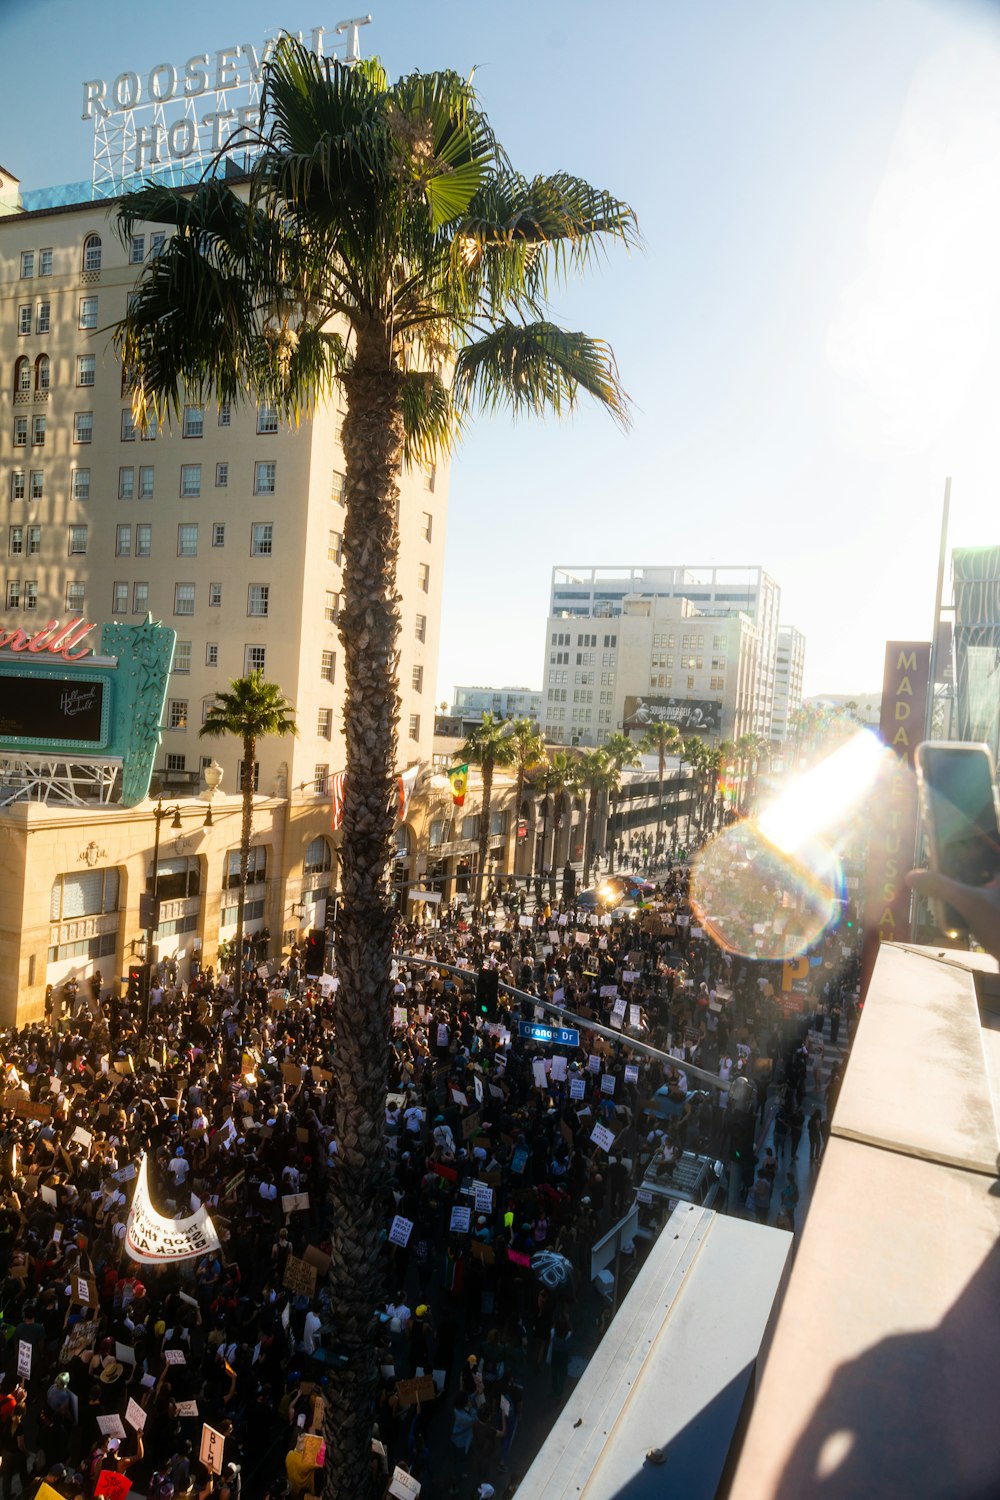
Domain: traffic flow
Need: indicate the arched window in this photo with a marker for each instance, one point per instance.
(92, 253)
(22, 374)
(42, 368)
(318, 857)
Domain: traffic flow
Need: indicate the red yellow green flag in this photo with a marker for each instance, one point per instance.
(459, 778)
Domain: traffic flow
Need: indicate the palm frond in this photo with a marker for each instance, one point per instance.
(430, 421)
(536, 368)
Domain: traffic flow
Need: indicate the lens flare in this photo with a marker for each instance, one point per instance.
(769, 887)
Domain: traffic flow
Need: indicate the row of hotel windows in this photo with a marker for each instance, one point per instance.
(23, 594)
(581, 679)
(664, 682)
(579, 715)
(31, 483)
(580, 695)
(561, 638)
(137, 540)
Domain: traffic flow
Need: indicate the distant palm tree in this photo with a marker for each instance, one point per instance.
(621, 752)
(489, 746)
(661, 739)
(528, 749)
(251, 711)
(592, 774)
(554, 780)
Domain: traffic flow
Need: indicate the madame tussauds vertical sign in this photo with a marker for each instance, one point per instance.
(893, 823)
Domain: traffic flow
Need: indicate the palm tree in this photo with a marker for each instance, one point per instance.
(554, 780)
(696, 753)
(592, 774)
(660, 739)
(252, 710)
(621, 752)
(528, 751)
(488, 746)
(384, 250)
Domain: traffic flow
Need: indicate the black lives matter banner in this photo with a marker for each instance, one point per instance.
(690, 715)
(51, 708)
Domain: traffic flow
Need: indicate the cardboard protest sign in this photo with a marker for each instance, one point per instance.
(481, 1251)
(212, 1448)
(300, 1277)
(470, 1125)
(318, 1258)
(291, 1073)
(293, 1203)
(419, 1389)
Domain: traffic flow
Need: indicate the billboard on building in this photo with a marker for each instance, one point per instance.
(689, 715)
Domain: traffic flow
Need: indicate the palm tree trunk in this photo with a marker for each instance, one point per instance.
(246, 831)
(359, 1178)
(556, 821)
(486, 772)
(588, 838)
(515, 841)
(659, 805)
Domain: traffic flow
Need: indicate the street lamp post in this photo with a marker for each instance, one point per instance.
(152, 904)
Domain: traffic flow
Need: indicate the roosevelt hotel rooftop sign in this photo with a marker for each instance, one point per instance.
(169, 121)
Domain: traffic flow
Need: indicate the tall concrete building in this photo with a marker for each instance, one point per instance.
(788, 669)
(697, 645)
(228, 527)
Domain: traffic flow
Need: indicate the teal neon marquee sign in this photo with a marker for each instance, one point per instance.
(61, 701)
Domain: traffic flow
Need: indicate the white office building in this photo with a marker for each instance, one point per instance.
(788, 669)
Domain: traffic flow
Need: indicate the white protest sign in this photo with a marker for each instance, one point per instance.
(442, 1035)
(644, 1195)
(477, 1087)
(212, 1447)
(111, 1426)
(631, 1073)
(538, 1069)
(400, 1232)
(187, 1408)
(174, 1356)
(484, 1199)
(82, 1137)
(125, 1354)
(608, 991)
(594, 1062)
(608, 1083)
(577, 1088)
(460, 1098)
(558, 1069)
(23, 1359)
(603, 1137)
(403, 1485)
(635, 1015)
(460, 1218)
(399, 1015)
(524, 920)
(619, 1006)
(134, 1415)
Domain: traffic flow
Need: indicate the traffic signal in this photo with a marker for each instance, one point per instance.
(315, 951)
(138, 978)
(488, 993)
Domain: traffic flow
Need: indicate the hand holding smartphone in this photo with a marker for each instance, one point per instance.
(959, 810)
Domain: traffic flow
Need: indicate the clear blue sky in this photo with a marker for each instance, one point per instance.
(810, 336)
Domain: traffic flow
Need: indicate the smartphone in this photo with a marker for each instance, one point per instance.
(959, 809)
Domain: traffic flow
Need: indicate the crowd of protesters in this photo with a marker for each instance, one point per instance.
(501, 1185)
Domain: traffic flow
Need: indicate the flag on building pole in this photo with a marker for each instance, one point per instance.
(459, 778)
(337, 800)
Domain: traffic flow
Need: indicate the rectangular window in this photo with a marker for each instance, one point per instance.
(38, 432)
(218, 533)
(15, 544)
(330, 607)
(257, 598)
(414, 726)
(328, 666)
(417, 679)
(256, 787)
(334, 545)
(31, 594)
(211, 654)
(151, 429)
(37, 484)
(45, 262)
(324, 723)
(126, 484)
(423, 578)
(267, 417)
(77, 541)
(143, 539)
(190, 480)
(717, 684)
(430, 478)
(20, 432)
(182, 656)
(194, 421)
(146, 472)
(43, 317)
(34, 536)
(261, 538)
(175, 763)
(140, 598)
(137, 249)
(13, 593)
(321, 775)
(177, 713)
(119, 598)
(215, 596)
(337, 488)
(27, 264)
(88, 312)
(225, 414)
(76, 594)
(81, 484)
(338, 425)
(157, 242)
(183, 598)
(24, 318)
(264, 478)
(254, 659)
(83, 427)
(420, 628)
(187, 539)
(128, 426)
(221, 476)
(426, 525)
(86, 369)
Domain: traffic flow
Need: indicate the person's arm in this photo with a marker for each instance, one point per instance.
(979, 905)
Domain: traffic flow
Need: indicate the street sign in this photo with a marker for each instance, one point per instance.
(537, 1031)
